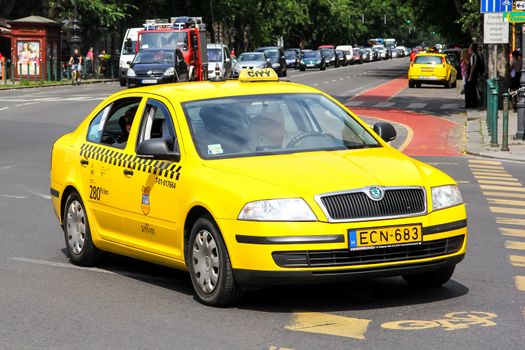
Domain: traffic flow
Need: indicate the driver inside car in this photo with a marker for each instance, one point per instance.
(269, 132)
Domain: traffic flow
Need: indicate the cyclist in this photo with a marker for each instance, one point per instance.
(75, 61)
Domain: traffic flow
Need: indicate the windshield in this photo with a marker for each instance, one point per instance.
(327, 52)
(289, 55)
(172, 40)
(154, 56)
(428, 60)
(312, 54)
(214, 55)
(272, 123)
(253, 56)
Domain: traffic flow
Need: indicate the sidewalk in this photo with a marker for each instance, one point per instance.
(35, 84)
(478, 138)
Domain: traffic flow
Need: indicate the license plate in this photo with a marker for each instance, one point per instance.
(149, 81)
(427, 77)
(384, 237)
(310, 65)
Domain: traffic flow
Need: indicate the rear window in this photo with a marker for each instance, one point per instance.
(428, 60)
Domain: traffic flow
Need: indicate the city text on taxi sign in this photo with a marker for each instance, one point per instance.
(266, 74)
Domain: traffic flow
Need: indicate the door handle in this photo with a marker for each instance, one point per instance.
(84, 162)
(128, 172)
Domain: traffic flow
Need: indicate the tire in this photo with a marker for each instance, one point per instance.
(454, 84)
(302, 69)
(77, 233)
(285, 73)
(411, 84)
(431, 279)
(323, 67)
(122, 82)
(209, 265)
(418, 85)
(448, 85)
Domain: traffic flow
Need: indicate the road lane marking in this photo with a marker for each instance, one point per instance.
(483, 177)
(507, 210)
(495, 182)
(509, 221)
(59, 264)
(278, 348)
(491, 173)
(512, 232)
(4, 108)
(482, 161)
(520, 283)
(517, 260)
(449, 106)
(321, 323)
(515, 245)
(384, 104)
(417, 105)
(452, 321)
(10, 196)
(497, 201)
(503, 194)
(502, 188)
(485, 167)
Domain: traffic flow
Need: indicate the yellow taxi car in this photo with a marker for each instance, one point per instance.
(431, 68)
(252, 182)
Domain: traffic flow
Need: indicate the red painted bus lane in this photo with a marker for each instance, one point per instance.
(432, 136)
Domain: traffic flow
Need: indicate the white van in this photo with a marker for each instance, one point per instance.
(128, 51)
(349, 52)
(219, 56)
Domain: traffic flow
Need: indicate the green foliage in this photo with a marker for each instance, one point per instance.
(93, 12)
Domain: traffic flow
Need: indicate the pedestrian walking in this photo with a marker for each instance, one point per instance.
(471, 91)
(89, 61)
(463, 65)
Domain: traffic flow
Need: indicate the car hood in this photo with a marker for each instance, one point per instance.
(144, 67)
(306, 174)
(250, 63)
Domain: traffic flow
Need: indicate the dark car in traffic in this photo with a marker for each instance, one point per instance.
(292, 59)
(358, 55)
(341, 57)
(329, 55)
(312, 59)
(276, 56)
(157, 66)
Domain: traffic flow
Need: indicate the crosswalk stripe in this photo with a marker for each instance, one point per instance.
(510, 221)
(449, 106)
(502, 188)
(354, 103)
(492, 178)
(503, 183)
(506, 202)
(515, 245)
(482, 161)
(500, 173)
(417, 105)
(517, 260)
(496, 177)
(503, 194)
(385, 104)
(512, 232)
(507, 210)
(520, 283)
(484, 166)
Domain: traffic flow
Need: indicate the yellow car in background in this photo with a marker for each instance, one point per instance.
(431, 68)
(252, 182)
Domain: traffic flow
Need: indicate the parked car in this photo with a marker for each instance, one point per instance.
(349, 52)
(292, 59)
(367, 54)
(277, 59)
(431, 68)
(454, 58)
(312, 59)
(358, 56)
(341, 57)
(381, 51)
(219, 59)
(251, 60)
(157, 66)
(329, 55)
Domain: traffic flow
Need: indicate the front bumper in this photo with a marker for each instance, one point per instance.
(139, 81)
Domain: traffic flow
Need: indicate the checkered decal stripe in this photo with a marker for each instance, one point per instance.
(160, 168)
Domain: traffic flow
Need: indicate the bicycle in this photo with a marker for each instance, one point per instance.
(75, 74)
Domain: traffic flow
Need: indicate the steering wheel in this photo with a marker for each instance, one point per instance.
(303, 136)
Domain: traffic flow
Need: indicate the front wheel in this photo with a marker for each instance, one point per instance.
(209, 265)
(431, 279)
(77, 233)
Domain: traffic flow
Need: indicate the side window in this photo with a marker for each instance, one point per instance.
(157, 124)
(180, 57)
(225, 53)
(112, 125)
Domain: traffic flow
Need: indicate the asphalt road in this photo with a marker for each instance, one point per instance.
(47, 303)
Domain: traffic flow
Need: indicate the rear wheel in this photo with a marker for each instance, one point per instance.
(122, 82)
(411, 84)
(431, 279)
(209, 265)
(302, 69)
(77, 233)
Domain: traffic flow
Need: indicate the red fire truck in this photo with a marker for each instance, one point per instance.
(185, 33)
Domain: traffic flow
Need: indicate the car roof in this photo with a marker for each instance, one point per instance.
(200, 90)
(431, 54)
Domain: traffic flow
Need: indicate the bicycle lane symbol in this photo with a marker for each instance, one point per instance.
(451, 321)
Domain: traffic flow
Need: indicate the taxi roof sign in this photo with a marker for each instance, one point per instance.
(265, 74)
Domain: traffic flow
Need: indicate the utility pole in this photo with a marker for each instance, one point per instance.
(521, 96)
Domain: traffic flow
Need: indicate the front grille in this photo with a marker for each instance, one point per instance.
(145, 74)
(345, 257)
(396, 202)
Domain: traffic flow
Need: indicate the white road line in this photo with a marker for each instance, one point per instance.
(58, 264)
(417, 105)
(384, 104)
(449, 106)
(4, 108)
(10, 196)
(30, 103)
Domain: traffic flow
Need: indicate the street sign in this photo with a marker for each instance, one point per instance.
(519, 6)
(514, 17)
(495, 29)
(496, 5)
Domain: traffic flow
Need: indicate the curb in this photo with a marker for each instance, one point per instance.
(15, 87)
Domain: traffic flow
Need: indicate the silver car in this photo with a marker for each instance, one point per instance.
(219, 60)
(251, 60)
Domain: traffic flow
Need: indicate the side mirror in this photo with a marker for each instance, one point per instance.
(386, 131)
(128, 62)
(157, 149)
(268, 60)
(227, 60)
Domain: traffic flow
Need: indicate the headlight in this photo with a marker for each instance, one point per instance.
(301, 62)
(318, 62)
(130, 72)
(445, 196)
(276, 65)
(170, 71)
(237, 68)
(289, 209)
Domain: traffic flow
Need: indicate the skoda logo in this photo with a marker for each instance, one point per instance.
(375, 193)
(149, 72)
